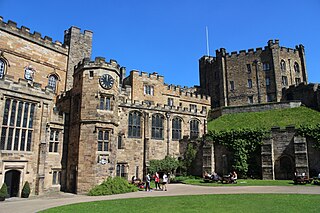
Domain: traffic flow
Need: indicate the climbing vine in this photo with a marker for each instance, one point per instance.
(311, 131)
(242, 142)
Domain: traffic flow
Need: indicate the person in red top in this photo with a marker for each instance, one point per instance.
(157, 181)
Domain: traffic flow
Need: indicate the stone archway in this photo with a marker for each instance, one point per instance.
(12, 179)
(285, 168)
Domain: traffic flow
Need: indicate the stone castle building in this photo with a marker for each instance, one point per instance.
(68, 122)
(253, 76)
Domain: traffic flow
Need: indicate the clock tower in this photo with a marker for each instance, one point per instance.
(94, 118)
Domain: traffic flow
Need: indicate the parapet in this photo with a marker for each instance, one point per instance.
(24, 32)
(98, 62)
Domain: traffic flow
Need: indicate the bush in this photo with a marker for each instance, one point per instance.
(4, 191)
(25, 190)
(116, 185)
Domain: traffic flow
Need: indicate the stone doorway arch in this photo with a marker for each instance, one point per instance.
(12, 179)
(285, 168)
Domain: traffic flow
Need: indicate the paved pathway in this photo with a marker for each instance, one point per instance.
(35, 204)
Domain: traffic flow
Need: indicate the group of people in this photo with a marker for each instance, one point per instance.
(232, 177)
(156, 177)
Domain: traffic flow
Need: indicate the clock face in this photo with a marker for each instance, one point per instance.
(106, 81)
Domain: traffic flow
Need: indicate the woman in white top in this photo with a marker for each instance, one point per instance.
(164, 181)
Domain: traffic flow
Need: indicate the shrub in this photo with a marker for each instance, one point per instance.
(25, 190)
(116, 185)
(4, 191)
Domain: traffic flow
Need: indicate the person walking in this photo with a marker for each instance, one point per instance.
(164, 182)
(148, 182)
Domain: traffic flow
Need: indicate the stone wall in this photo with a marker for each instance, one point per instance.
(308, 94)
(215, 113)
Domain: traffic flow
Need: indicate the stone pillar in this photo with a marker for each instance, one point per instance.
(208, 157)
(267, 160)
(301, 155)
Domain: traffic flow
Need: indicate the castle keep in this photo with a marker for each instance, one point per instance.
(68, 122)
(253, 76)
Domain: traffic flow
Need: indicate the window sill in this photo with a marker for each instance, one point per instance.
(157, 139)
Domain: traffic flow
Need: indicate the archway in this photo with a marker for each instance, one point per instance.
(286, 168)
(12, 179)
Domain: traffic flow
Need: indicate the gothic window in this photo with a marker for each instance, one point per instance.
(298, 81)
(284, 81)
(54, 140)
(170, 101)
(267, 81)
(105, 103)
(283, 65)
(121, 170)
(148, 90)
(249, 83)
(176, 128)
(2, 68)
(194, 128)
(17, 125)
(52, 82)
(249, 68)
(296, 67)
(250, 99)
(157, 126)
(103, 140)
(134, 128)
(266, 66)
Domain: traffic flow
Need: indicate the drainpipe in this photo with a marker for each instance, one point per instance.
(168, 133)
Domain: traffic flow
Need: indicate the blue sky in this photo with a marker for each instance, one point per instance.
(168, 36)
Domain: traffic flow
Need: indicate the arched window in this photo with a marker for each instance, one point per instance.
(52, 82)
(194, 129)
(283, 65)
(296, 67)
(134, 128)
(157, 126)
(176, 128)
(2, 68)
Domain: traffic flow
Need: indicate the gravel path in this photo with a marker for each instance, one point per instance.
(34, 204)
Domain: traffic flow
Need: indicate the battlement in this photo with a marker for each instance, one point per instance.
(271, 43)
(36, 37)
(289, 50)
(305, 85)
(76, 31)
(152, 76)
(208, 59)
(98, 62)
(24, 86)
(161, 107)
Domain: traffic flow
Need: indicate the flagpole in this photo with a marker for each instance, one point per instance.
(207, 41)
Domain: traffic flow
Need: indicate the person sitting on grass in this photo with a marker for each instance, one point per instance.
(234, 177)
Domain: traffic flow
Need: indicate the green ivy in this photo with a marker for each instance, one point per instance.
(310, 131)
(242, 143)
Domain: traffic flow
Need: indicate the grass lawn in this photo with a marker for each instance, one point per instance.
(202, 203)
(266, 119)
(245, 182)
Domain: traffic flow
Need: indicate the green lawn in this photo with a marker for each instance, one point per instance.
(245, 182)
(203, 203)
(266, 119)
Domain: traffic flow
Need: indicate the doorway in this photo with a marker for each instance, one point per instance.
(12, 179)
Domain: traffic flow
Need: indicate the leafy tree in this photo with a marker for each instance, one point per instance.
(168, 165)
